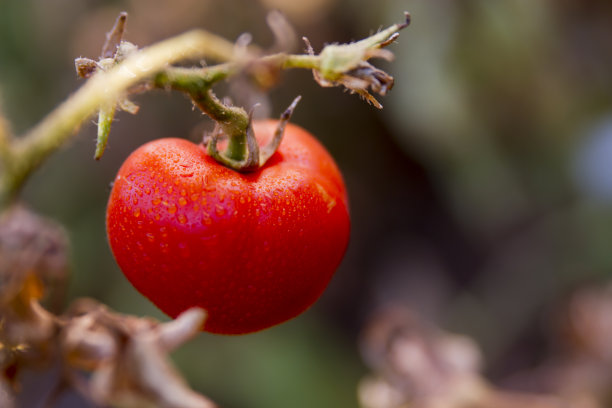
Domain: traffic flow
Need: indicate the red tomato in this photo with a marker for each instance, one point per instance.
(253, 249)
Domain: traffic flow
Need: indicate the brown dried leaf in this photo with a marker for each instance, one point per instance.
(30, 244)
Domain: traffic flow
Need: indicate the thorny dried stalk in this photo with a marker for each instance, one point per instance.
(111, 359)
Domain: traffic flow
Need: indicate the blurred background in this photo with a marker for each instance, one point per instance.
(481, 195)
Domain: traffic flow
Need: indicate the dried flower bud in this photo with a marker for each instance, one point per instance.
(346, 64)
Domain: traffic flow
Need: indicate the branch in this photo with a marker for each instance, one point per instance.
(105, 88)
(133, 70)
(109, 357)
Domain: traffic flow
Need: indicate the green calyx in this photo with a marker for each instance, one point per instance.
(243, 152)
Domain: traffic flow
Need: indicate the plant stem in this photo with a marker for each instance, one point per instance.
(335, 65)
(29, 151)
(242, 152)
(288, 61)
(191, 80)
(197, 83)
(233, 120)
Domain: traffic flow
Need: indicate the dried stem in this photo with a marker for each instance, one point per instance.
(108, 357)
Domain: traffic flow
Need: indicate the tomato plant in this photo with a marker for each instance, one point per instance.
(233, 235)
(253, 249)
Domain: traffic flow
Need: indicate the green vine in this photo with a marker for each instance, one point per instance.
(125, 70)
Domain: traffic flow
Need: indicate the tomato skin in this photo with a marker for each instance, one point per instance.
(253, 249)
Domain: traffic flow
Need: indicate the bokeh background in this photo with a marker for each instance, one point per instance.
(481, 194)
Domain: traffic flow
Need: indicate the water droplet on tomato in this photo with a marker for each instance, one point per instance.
(220, 211)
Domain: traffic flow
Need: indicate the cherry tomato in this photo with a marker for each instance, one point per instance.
(253, 249)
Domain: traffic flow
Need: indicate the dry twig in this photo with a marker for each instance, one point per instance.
(110, 358)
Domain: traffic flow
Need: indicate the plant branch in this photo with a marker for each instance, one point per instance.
(110, 82)
(103, 88)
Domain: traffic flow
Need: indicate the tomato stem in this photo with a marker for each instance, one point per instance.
(30, 150)
(130, 70)
(192, 80)
(232, 121)
(242, 152)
